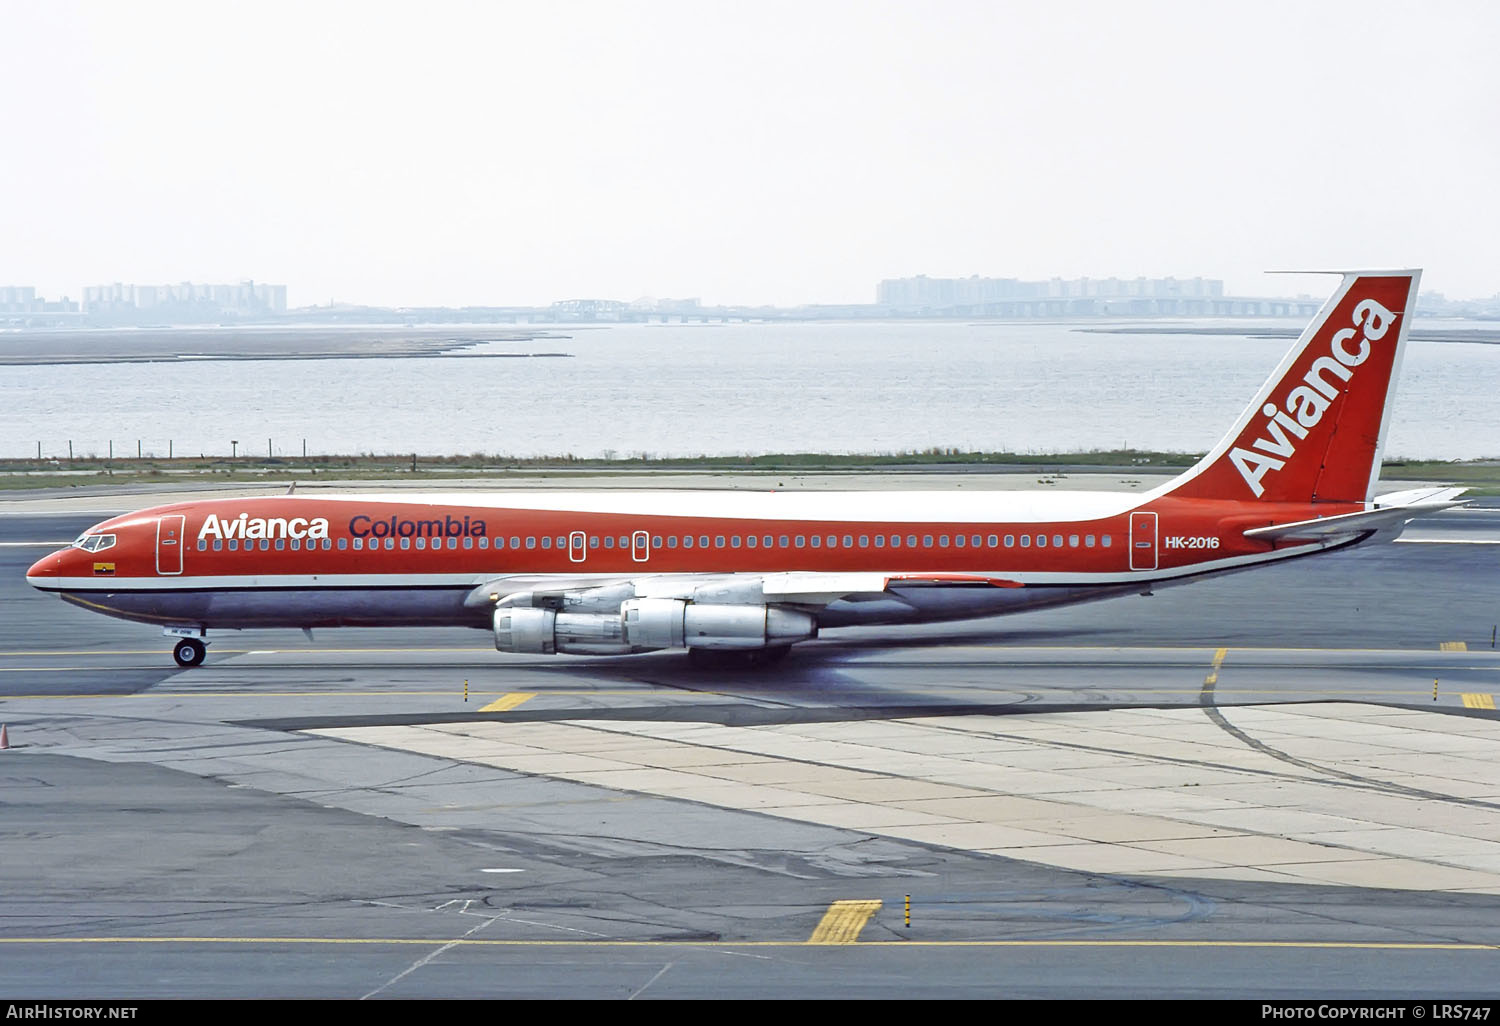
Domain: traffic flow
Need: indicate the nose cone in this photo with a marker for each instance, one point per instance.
(46, 571)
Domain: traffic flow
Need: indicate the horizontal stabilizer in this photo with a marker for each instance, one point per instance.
(1391, 510)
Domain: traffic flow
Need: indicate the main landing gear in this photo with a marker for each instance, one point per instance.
(190, 648)
(189, 652)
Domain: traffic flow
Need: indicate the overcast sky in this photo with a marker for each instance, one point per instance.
(755, 152)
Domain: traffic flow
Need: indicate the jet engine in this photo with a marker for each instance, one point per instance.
(644, 624)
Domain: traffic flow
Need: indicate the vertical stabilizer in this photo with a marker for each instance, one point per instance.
(1316, 430)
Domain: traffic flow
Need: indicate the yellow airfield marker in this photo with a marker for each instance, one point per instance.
(510, 701)
(843, 921)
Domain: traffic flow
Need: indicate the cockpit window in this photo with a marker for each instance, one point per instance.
(95, 542)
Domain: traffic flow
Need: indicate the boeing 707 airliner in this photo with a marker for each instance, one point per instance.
(612, 573)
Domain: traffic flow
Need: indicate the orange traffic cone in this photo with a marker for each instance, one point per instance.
(4, 737)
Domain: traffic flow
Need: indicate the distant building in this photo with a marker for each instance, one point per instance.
(22, 299)
(1075, 297)
(186, 299)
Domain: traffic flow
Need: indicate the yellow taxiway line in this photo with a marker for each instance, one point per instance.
(897, 944)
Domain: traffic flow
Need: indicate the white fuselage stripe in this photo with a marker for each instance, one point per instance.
(320, 581)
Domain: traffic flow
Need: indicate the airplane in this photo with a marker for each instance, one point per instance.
(745, 575)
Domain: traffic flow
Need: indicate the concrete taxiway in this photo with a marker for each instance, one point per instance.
(1274, 784)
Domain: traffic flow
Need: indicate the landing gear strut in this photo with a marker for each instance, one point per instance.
(189, 652)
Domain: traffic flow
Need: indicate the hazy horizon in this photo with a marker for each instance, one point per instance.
(771, 154)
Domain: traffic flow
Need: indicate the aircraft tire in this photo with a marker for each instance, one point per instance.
(189, 652)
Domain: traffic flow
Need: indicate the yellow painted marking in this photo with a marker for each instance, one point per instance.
(1213, 675)
(1454, 646)
(107, 652)
(889, 945)
(1479, 701)
(843, 921)
(509, 701)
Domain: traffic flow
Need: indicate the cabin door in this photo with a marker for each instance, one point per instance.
(1143, 541)
(578, 546)
(169, 544)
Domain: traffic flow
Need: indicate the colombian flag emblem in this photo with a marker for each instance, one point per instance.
(104, 569)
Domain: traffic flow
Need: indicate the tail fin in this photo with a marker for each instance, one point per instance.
(1316, 430)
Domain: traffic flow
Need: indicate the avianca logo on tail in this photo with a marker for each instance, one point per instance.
(246, 526)
(1303, 406)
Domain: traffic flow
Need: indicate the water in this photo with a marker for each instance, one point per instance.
(729, 389)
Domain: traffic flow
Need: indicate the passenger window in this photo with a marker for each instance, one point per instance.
(593, 541)
(264, 545)
(767, 541)
(974, 541)
(1057, 541)
(359, 543)
(687, 541)
(942, 541)
(1025, 541)
(421, 543)
(734, 541)
(833, 541)
(406, 543)
(895, 541)
(783, 541)
(1107, 540)
(751, 541)
(515, 541)
(280, 543)
(1088, 541)
(531, 541)
(992, 541)
(816, 541)
(484, 542)
(546, 541)
(468, 543)
(864, 541)
(1072, 541)
(880, 541)
(1010, 541)
(218, 545)
(656, 541)
(911, 541)
(703, 541)
(1041, 541)
(801, 541)
(718, 541)
(609, 541)
(959, 541)
(453, 543)
(671, 541)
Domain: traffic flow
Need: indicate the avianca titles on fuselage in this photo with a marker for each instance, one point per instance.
(612, 573)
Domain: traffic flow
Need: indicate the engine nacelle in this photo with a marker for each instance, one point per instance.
(546, 631)
(673, 623)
